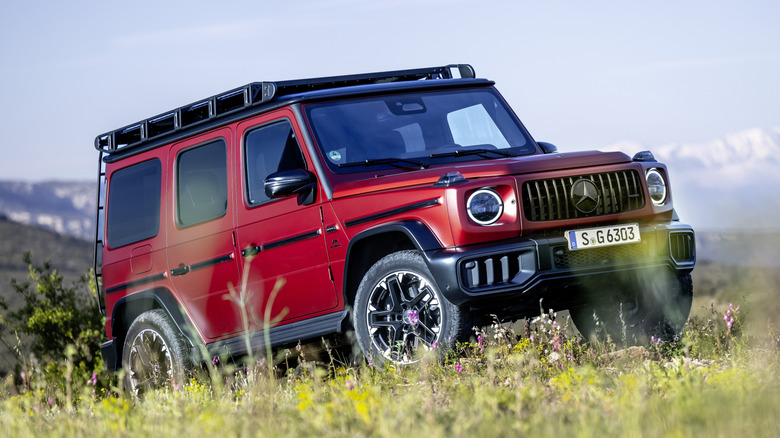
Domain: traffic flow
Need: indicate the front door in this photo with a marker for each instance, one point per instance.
(285, 262)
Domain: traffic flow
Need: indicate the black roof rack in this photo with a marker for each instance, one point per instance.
(254, 94)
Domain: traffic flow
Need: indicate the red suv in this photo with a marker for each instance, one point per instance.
(405, 205)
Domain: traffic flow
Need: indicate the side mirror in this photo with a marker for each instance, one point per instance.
(547, 148)
(289, 182)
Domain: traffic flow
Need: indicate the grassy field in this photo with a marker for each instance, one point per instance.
(538, 378)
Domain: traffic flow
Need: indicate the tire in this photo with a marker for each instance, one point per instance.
(400, 314)
(653, 305)
(155, 354)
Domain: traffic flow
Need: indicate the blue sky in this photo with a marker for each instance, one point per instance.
(579, 74)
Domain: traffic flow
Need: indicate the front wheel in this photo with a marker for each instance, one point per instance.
(651, 306)
(400, 313)
(155, 354)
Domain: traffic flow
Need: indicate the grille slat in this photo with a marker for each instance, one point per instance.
(618, 192)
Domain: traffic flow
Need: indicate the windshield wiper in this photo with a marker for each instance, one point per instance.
(465, 152)
(395, 162)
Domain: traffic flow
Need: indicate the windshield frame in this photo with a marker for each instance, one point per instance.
(428, 156)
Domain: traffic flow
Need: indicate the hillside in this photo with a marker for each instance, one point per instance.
(67, 207)
(72, 257)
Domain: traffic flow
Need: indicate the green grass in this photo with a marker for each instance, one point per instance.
(539, 379)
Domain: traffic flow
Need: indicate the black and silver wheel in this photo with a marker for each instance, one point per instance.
(154, 354)
(400, 314)
(652, 305)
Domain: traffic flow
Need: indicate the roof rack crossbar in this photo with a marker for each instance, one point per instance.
(257, 93)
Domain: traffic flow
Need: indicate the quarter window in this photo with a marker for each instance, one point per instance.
(202, 183)
(269, 149)
(134, 204)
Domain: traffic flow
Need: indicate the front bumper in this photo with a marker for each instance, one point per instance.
(516, 274)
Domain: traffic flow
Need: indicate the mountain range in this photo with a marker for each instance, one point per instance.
(728, 183)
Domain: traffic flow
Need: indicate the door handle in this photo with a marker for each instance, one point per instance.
(180, 271)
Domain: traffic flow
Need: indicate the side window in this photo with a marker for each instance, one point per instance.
(201, 186)
(134, 204)
(269, 149)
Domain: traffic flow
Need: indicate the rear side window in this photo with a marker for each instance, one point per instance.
(202, 183)
(134, 204)
(269, 149)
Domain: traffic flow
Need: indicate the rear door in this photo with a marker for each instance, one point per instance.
(282, 240)
(201, 248)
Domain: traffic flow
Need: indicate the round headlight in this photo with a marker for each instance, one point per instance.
(485, 206)
(657, 186)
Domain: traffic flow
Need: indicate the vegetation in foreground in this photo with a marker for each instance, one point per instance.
(713, 382)
(535, 377)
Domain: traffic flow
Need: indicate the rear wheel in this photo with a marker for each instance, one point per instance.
(400, 314)
(652, 305)
(155, 354)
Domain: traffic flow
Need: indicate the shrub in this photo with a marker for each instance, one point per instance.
(61, 324)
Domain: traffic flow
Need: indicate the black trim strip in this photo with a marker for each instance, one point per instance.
(138, 282)
(293, 239)
(384, 214)
(194, 267)
(212, 262)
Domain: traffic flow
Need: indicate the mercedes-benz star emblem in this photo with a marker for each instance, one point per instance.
(585, 196)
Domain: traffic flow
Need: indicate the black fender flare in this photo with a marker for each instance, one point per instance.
(421, 237)
(127, 308)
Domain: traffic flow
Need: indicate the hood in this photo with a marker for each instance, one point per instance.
(365, 182)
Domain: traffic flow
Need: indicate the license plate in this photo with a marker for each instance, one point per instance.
(603, 236)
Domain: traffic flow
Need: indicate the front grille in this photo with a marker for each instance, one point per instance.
(682, 247)
(551, 199)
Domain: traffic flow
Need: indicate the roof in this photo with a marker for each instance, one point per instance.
(261, 96)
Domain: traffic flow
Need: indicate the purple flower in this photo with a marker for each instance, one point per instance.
(458, 368)
(654, 340)
(414, 317)
(480, 338)
(350, 384)
(435, 345)
(215, 361)
(93, 380)
(531, 337)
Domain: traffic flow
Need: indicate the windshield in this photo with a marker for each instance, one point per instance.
(416, 130)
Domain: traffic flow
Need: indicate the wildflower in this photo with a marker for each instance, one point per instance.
(480, 338)
(350, 384)
(654, 340)
(729, 316)
(215, 361)
(531, 337)
(93, 380)
(414, 317)
(458, 368)
(435, 345)
(298, 347)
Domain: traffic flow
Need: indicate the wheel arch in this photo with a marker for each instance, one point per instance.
(367, 247)
(128, 308)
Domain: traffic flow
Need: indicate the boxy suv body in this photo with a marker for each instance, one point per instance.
(406, 206)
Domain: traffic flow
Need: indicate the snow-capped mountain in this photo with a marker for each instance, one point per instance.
(732, 182)
(66, 207)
